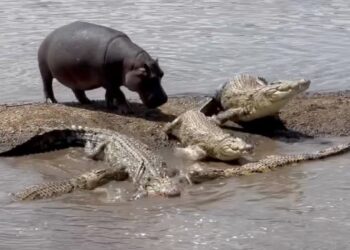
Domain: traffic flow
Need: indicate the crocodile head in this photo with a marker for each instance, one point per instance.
(164, 186)
(230, 148)
(269, 99)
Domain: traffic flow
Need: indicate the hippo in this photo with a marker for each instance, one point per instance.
(85, 56)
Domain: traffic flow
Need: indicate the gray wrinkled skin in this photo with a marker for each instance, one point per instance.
(204, 138)
(246, 98)
(122, 153)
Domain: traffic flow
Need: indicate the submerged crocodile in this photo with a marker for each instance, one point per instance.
(86, 181)
(246, 98)
(195, 175)
(125, 155)
(199, 174)
(204, 138)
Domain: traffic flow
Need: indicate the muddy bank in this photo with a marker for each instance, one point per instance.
(311, 115)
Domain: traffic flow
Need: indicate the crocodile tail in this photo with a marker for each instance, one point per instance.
(275, 161)
(85, 181)
(265, 164)
(45, 190)
(335, 150)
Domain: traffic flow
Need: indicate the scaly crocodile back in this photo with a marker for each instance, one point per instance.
(121, 150)
(240, 92)
(245, 82)
(195, 128)
(122, 153)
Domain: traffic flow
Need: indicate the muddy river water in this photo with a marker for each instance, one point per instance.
(200, 44)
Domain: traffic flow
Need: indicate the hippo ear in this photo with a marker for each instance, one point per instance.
(147, 68)
(141, 71)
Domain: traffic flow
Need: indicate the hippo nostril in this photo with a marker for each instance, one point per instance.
(156, 101)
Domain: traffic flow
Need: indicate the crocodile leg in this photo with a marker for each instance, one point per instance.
(232, 114)
(139, 173)
(95, 152)
(193, 152)
(168, 128)
(170, 125)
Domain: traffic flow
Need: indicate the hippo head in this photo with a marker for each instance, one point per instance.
(145, 79)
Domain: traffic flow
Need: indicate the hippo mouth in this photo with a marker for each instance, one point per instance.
(153, 100)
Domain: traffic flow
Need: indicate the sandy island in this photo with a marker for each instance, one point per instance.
(309, 115)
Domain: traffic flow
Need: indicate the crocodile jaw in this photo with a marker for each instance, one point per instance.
(269, 99)
(282, 90)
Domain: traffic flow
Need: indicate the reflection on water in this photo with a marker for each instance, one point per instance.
(200, 44)
(301, 207)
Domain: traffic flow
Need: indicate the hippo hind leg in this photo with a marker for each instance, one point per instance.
(81, 96)
(47, 82)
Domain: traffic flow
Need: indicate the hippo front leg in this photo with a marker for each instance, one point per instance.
(123, 105)
(81, 96)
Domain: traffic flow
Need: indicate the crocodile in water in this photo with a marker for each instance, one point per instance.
(200, 174)
(195, 175)
(125, 155)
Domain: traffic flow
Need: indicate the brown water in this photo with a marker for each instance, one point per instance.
(298, 207)
(200, 44)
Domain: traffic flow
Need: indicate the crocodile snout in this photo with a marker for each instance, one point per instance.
(164, 187)
(304, 84)
(248, 148)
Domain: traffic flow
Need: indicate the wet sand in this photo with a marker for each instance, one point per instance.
(307, 116)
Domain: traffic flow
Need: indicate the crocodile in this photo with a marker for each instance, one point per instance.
(203, 138)
(195, 175)
(122, 153)
(198, 174)
(246, 98)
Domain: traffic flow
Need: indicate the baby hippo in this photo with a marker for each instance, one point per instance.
(85, 56)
